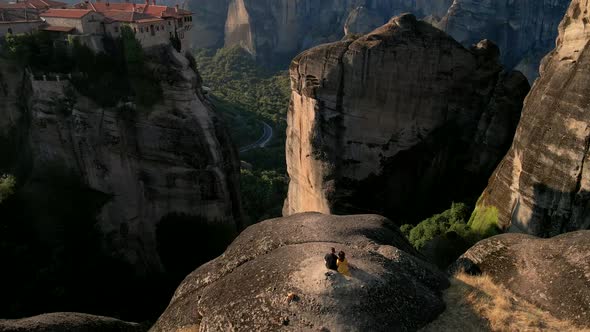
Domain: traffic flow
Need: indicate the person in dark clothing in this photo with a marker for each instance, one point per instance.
(331, 259)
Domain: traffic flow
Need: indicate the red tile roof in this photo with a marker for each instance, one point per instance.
(33, 4)
(43, 4)
(20, 5)
(152, 10)
(122, 12)
(66, 13)
(58, 28)
(152, 19)
(124, 16)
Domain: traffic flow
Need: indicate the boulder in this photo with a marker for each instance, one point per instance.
(542, 186)
(273, 277)
(68, 321)
(399, 122)
(553, 274)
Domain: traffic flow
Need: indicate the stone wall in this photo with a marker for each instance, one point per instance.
(18, 27)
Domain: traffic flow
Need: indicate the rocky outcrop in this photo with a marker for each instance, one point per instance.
(11, 84)
(175, 158)
(209, 18)
(553, 274)
(361, 21)
(247, 288)
(401, 122)
(524, 30)
(68, 321)
(542, 185)
(274, 31)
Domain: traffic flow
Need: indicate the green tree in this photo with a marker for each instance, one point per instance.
(263, 193)
(7, 186)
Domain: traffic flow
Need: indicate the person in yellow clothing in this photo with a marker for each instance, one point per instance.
(342, 264)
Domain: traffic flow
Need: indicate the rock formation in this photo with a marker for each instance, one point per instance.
(208, 22)
(400, 122)
(68, 321)
(524, 30)
(553, 274)
(248, 287)
(175, 158)
(542, 185)
(275, 31)
(362, 20)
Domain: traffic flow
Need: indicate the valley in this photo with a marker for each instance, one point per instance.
(180, 167)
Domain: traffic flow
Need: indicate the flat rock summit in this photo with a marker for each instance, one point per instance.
(247, 288)
(68, 321)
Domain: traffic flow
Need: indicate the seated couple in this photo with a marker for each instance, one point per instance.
(337, 262)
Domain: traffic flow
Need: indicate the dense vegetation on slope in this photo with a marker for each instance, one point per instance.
(107, 77)
(445, 236)
(246, 94)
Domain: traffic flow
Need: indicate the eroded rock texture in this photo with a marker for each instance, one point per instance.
(274, 30)
(68, 321)
(542, 185)
(362, 20)
(175, 158)
(246, 288)
(400, 122)
(551, 273)
(209, 18)
(524, 30)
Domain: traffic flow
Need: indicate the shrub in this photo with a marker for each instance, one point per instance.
(484, 221)
(445, 236)
(7, 186)
(263, 193)
(453, 219)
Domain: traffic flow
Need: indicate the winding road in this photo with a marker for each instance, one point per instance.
(262, 141)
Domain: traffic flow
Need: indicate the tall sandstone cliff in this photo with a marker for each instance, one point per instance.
(274, 31)
(175, 158)
(542, 186)
(399, 122)
(525, 30)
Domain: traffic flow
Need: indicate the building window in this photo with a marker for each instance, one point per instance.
(162, 27)
(135, 30)
(157, 28)
(10, 30)
(116, 29)
(170, 34)
(169, 23)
